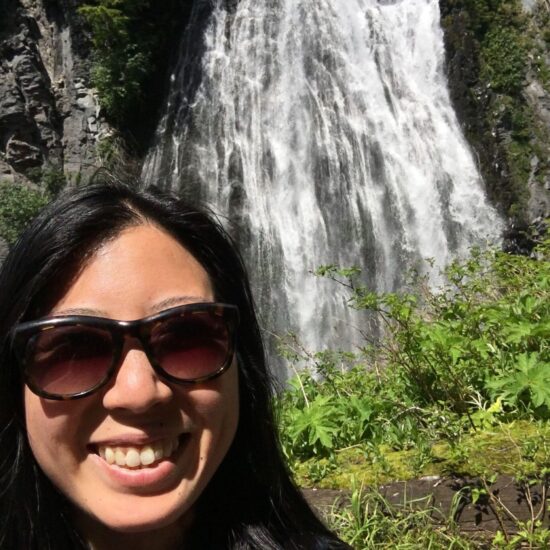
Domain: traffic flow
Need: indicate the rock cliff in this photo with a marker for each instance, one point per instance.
(509, 132)
(49, 116)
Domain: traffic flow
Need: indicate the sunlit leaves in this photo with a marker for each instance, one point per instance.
(450, 360)
(527, 384)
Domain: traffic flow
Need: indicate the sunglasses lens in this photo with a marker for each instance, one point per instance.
(68, 360)
(191, 345)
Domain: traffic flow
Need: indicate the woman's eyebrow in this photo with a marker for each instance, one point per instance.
(178, 301)
(80, 311)
(159, 306)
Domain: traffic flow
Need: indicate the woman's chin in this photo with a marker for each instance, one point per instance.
(140, 529)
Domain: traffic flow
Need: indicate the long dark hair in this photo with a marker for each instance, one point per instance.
(251, 501)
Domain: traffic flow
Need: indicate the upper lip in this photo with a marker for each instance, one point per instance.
(133, 439)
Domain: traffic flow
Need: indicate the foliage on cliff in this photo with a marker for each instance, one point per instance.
(132, 41)
(501, 50)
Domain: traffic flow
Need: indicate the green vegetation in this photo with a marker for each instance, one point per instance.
(52, 180)
(504, 55)
(500, 27)
(370, 521)
(129, 41)
(122, 58)
(459, 383)
(511, 47)
(20, 203)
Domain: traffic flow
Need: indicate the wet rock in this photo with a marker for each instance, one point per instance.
(6, 175)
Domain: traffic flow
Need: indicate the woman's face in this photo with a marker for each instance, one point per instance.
(141, 272)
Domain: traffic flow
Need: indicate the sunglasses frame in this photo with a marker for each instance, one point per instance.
(140, 329)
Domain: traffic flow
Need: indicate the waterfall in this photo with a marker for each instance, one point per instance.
(323, 132)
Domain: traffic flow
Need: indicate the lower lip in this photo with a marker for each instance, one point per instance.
(152, 478)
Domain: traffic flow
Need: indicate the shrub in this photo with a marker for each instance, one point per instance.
(18, 205)
(504, 60)
(121, 59)
(449, 360)
(131, 46)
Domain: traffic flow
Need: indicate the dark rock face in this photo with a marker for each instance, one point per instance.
(490, 137)
(471, 101)
(539, 98)
(49, 117)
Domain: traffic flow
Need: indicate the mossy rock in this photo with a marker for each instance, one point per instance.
(518, 449)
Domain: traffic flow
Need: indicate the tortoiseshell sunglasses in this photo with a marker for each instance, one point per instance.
(70, 357)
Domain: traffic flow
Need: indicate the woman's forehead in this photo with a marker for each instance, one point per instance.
(139, 271)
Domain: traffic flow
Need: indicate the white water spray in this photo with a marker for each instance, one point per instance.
(323, 130)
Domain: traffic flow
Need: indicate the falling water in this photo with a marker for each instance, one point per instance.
(323, 132)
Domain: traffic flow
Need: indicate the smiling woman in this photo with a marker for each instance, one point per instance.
(134, 396)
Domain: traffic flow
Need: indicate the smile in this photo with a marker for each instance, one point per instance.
(137, 457)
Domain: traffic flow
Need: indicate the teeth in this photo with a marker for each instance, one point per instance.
(133, 458)
(109, 455)
(120, 457)
(147, 455)
(157, 450)
(136, 457)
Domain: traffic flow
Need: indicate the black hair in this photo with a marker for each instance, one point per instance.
(251, 501)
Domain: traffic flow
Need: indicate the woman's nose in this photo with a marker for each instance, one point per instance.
(135, 385)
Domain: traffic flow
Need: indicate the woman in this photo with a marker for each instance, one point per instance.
(134, 396)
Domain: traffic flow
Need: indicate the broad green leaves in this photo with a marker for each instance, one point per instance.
(462, 358)
(315, 426)
(321, 416)
(528, 384)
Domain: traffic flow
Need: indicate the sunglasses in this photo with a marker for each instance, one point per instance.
(73, 356)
